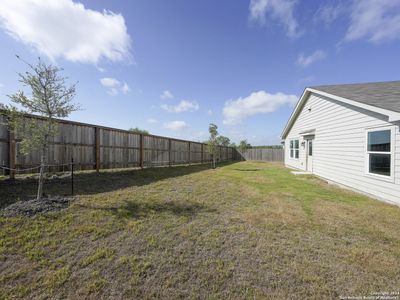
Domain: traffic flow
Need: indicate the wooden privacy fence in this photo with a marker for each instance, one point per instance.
(265, 154)
(99, 147)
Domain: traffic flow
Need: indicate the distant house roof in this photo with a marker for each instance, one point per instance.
(380, 94)
(380, 97)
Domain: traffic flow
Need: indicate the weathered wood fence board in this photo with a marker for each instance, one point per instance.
(4, 146)
(98, 147)
(264, 154)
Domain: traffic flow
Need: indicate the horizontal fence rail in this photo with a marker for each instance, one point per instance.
(98, 147)
(263, 154)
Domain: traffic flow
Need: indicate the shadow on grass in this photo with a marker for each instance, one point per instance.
(89, 183)
(134, 210)
(247, 170)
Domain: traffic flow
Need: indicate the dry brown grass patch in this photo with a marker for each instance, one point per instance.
(276, 208)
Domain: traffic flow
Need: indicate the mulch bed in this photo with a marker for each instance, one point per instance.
(33, 207)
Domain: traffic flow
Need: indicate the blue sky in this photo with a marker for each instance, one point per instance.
(172, 67)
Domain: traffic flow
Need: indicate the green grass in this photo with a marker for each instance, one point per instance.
(244, 231)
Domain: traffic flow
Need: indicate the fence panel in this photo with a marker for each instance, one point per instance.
(117, 148)
(261, 154)
(3, 144)
(71, 140)
(195, 153)
(156, 151)
(179, 152)
(98, 147)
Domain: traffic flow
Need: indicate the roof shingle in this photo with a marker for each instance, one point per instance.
(384, 95)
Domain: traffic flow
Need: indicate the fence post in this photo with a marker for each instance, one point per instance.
(11, 153)
(72, 175)
(202, 155)
(141, 152)
(97, 148)
(169, 152)
(189, 153)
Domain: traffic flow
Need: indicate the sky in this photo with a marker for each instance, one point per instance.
(173, 67)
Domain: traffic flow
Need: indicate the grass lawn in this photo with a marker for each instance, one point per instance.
(245, 230)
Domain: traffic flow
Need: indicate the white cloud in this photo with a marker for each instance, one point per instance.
(166, 95)
(235, 111)
(329, 12)
(209, 112)
(183, 106)
(305, 61)
(1, 85)
(152, 121)
(109, 82)
(281, 10)
(66, 29)
(176, 125)
(376, 21)
(125, 88)
(114, 86)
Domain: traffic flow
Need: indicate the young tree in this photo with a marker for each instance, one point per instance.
(223, 141)
(138, 130)
(213, 142)
(243, 146)
(50, 98)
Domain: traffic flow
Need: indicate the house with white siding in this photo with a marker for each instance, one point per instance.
(348, 134)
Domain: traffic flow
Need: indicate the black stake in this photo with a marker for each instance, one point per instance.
(72, 176)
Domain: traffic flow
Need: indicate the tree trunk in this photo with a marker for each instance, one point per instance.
(41, 176)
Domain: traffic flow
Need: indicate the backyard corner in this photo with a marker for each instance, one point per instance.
(243, 230)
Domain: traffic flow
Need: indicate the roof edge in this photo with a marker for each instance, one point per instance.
(392, 115)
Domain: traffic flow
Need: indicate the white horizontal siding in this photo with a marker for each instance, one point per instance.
(339, 146)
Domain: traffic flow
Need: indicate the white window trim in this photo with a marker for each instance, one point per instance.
(294, 149)
(390, 178)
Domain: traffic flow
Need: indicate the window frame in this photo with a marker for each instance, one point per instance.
(391, 153)
(292, 151)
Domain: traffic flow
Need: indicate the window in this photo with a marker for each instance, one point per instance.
(291, 149)
(294, 148)
(309, 147)
(379, 152)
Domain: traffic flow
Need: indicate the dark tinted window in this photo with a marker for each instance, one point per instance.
(379, 164)
(310, 148)
(379, 141)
